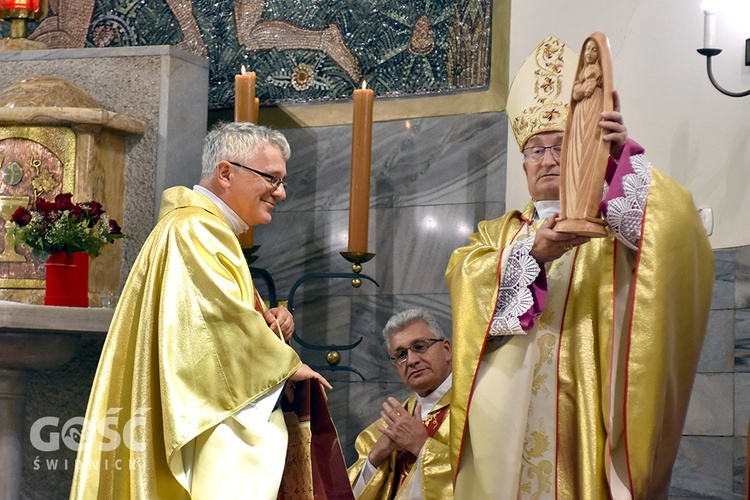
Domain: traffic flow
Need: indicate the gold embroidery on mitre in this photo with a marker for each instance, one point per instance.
(546, 109)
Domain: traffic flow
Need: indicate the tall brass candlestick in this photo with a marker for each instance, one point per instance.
(359, 189)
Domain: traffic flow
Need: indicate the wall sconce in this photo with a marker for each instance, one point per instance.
(708, 50)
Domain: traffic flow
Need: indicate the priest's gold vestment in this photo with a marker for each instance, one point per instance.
(434, 461)
(185, 353)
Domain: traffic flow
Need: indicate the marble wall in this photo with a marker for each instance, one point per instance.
(713, 452)
(433, 180)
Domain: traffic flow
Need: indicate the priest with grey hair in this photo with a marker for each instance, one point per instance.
(405, 454)
(194, 364)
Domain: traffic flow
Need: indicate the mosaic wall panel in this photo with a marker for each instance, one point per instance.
(302, 51)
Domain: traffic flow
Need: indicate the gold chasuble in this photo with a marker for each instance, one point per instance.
(185, 353)
(590, 401)
(433, 460)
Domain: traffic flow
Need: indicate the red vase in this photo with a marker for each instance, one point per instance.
(67, 279)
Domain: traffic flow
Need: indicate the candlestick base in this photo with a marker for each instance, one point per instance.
(248, 253)
(709, 52)
(357, 258)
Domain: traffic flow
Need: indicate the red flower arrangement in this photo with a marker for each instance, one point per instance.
(64, 226)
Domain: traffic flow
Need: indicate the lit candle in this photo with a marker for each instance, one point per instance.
(359, 189)
(245, 110)
(244, 97)
(257, 111)
(709, 23)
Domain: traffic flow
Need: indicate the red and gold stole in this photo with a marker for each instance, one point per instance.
(405, 459)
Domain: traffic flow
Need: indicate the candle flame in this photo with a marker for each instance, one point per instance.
(242, 69)
(364, 84)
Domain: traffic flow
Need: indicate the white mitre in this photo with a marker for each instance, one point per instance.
(540, 93)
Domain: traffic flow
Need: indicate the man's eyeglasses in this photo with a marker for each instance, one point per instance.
(418, 347)
(272, 179)
(536, 153)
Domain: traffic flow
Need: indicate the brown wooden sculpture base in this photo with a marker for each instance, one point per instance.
(582, 227)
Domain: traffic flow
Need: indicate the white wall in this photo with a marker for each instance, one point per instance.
(698, 136)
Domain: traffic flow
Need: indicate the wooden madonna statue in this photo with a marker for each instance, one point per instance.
(583, 161)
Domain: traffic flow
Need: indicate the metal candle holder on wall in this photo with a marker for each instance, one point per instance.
(357, 258)
(333, 356)
(711, 52)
